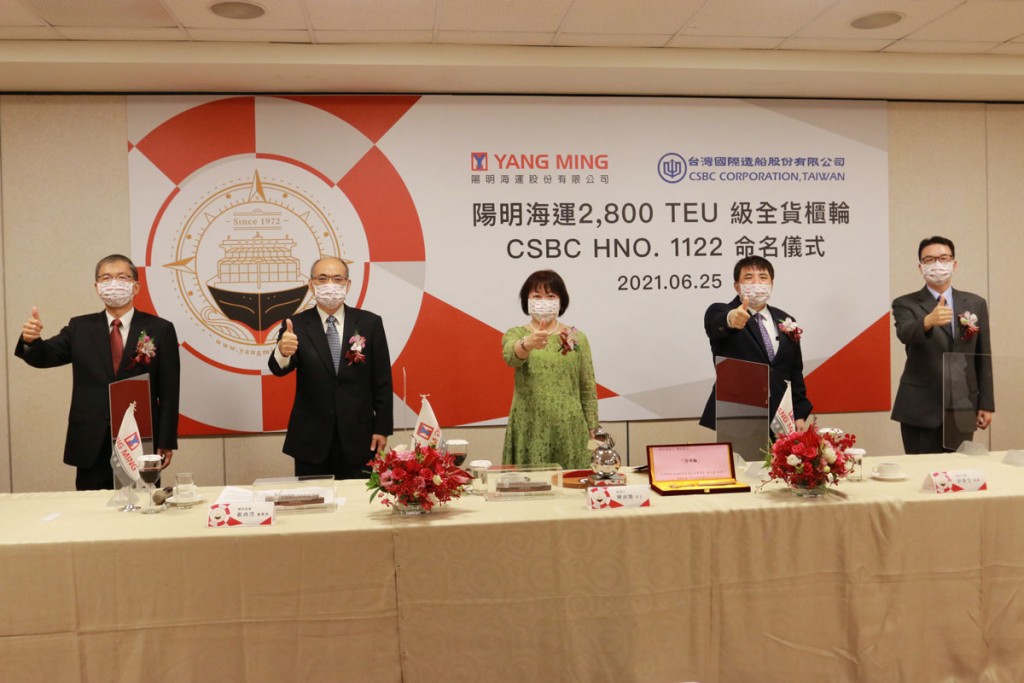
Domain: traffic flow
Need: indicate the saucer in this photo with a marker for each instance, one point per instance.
(879, 477)
(195, 501)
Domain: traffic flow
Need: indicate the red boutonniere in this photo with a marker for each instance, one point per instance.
(355, 351)
(968, 325)
(789, 328)
(568, 338)
(145, 350)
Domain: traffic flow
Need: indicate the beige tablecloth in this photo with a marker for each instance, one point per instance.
(889, 583)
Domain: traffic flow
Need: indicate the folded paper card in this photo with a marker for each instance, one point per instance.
(240, 514)
(603, 497)
(955, 481)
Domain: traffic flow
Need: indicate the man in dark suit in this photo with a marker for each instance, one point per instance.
(747, 329)
(343, 396)
(932, 322)
(104, 347)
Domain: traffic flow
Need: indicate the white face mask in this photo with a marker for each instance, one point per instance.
(330, 296)
(757, 294)
(937, 273)
(543, 310)
(116, 293)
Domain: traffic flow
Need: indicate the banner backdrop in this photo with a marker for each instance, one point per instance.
(443, 205)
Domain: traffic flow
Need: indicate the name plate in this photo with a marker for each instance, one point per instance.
(602, 497)
(955, 481)
(240, 514)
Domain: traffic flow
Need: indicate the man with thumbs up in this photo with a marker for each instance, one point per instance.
(104, 347)
(748, 329)
(945, 392)
(343, 396)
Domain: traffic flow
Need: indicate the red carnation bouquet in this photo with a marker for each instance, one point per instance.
(810, 459)
(424, 477)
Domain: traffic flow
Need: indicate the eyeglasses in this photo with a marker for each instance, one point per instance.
(120, 278)
(945, 258)
(324, 279)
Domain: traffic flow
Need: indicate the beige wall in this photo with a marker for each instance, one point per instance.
(955, 169)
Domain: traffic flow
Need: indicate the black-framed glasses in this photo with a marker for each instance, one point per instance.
(945, 258)
(327, 279)
(120, 278)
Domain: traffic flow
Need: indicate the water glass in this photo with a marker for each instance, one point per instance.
(184, 490)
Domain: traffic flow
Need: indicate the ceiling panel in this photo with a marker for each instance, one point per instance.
(121, 33)
(835, 21)
(638, 16)
(494, 38)
(611, 40)
(378, 15)
(249, 35)
(363, 37)
(992, 20)
(101, 12)
(764, 18)
(942, 46)
(726, 42)
(533, 16)
(280, 14)
(836, 44)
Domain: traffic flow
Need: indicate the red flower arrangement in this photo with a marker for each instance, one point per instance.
(424, 477)
(145, 350)
(810, 459)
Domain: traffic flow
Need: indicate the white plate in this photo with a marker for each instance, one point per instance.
(879, 477)
(195, 501)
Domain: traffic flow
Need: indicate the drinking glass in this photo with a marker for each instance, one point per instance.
(184, 490)
(150, 467)
(458, 449)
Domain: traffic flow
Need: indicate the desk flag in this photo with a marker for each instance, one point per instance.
(428, 431)
(783, 422)
(128, 446)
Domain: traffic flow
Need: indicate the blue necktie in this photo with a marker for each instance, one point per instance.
(768, 346)
(334, 341)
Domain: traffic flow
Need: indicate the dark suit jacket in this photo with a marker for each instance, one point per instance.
(85, 343)
(746, 344)
(355, 400)
(919, 399)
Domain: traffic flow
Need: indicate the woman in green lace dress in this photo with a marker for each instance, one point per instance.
(554, 405)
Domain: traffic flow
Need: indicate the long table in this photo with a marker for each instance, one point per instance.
(888, 583)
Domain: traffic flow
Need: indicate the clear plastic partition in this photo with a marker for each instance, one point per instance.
(741, 406)
(965, 378)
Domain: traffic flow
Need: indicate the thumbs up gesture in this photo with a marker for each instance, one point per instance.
(940, 316)
(33, 327)
(288, 344)
(739, 316)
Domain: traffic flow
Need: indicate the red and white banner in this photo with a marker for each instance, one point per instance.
(443, 206)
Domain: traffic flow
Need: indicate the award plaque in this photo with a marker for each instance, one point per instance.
(687, 469)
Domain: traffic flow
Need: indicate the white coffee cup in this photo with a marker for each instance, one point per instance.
(834, 432)
(887, 470)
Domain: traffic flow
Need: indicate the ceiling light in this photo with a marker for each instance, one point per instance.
(877, 20)
(237, 10)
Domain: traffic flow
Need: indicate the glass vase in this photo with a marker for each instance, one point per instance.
(404, 508)
(808, 491)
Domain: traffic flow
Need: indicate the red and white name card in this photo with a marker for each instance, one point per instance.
(602, 497)
(240, 514)
(955, 481)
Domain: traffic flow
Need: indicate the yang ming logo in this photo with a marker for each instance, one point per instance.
(672, 167)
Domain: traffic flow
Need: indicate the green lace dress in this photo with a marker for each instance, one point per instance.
(554, 403)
